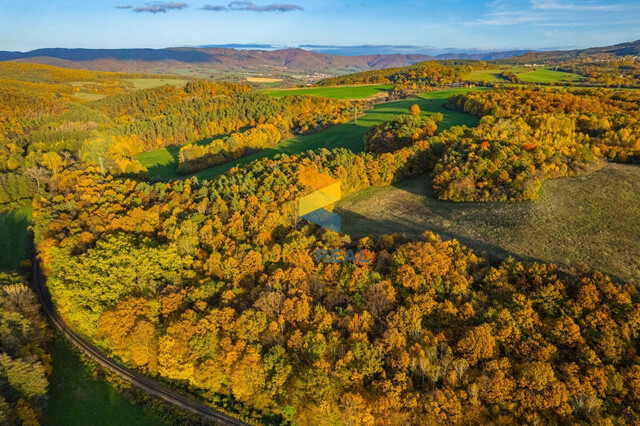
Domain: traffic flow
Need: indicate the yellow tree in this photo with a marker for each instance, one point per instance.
(52, 161)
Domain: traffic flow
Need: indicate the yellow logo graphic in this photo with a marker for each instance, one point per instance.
(327, 192)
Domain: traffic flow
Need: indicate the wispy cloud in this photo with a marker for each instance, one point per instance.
(157, 7)
(540, 12)
(124, 7)
(506, 18)
(252, 7)
(567, 5)
(502, 12)
(214, 8)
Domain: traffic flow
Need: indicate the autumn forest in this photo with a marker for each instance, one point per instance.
(181, 279)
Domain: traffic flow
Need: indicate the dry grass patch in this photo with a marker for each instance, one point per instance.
(592, 219)
(263, 80)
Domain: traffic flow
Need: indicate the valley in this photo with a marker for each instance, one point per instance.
(164, 162)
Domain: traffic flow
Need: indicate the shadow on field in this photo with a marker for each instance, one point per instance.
(413, 230)
(14, 243)
(580, 220)
(167, 168)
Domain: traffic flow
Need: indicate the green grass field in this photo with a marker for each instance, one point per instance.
(273, 84)
(336, 92)
(76, 398)
(150, 83)
(545, 75)
(163, 162)
(590, 218)
(14, 243)
(539, 75)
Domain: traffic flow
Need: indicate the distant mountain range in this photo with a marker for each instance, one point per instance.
(382, 49)
(224, 59)
(262, 59)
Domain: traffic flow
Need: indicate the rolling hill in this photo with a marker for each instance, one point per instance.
(180, 60)
(594, 53)
(206, 60)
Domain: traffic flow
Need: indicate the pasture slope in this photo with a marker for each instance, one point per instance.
(163, 162)
(336, 92)
(527, 75)
(77, 397)
(588, 218)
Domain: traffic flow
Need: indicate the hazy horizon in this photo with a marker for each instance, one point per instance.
(345, 50)
(439, 25)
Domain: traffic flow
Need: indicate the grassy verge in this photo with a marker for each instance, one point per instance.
(14, 243)
(77, 398)
(590, 219)
(164, 162)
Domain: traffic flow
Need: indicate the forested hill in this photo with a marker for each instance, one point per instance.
(417, 77)
(617, 51)
(224, 59)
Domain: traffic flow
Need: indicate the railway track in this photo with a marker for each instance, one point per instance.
(146, 384)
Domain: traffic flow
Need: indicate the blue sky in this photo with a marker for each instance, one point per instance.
(440, 24)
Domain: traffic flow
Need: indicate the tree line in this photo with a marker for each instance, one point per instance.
(303, 115)
(415, 78)
(528, 135)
